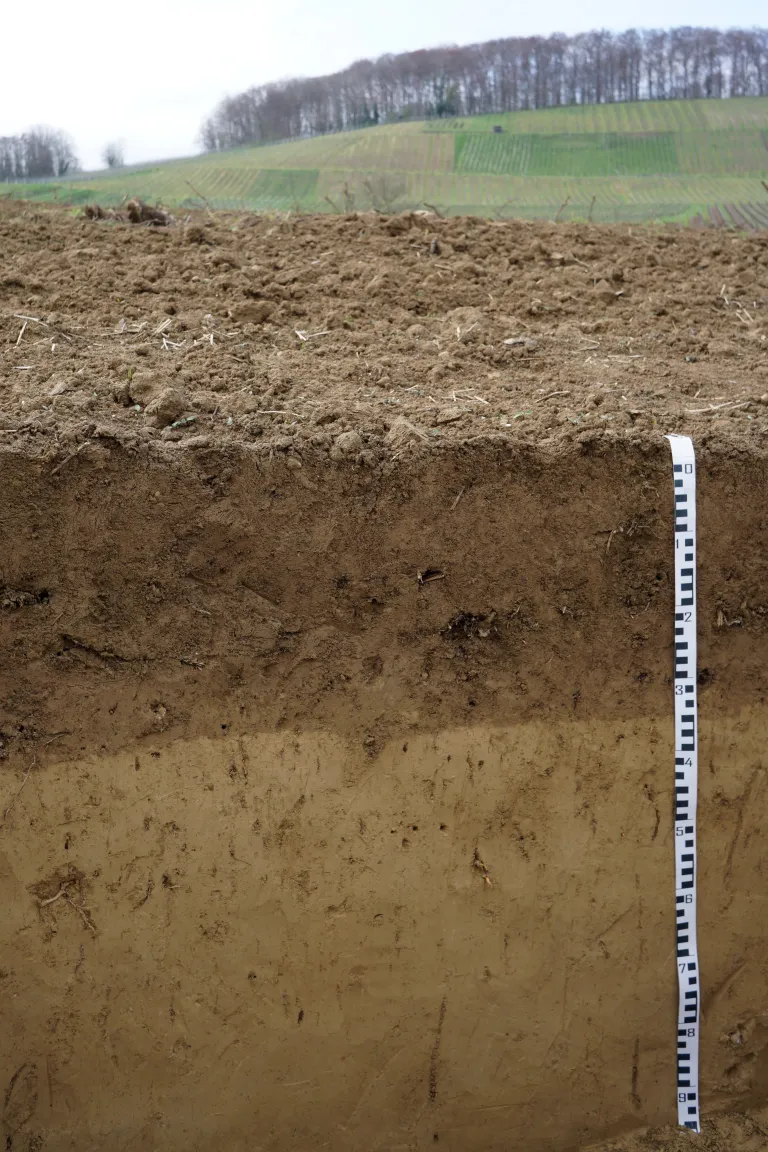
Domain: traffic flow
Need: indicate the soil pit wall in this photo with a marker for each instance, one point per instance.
(310, 852)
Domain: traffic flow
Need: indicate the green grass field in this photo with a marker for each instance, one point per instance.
(671, 160)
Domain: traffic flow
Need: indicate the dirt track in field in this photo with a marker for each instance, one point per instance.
(335, 699)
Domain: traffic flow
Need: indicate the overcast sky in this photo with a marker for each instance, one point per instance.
(150, 75)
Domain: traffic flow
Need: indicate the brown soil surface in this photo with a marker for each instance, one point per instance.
(617, 332)
(336, 723)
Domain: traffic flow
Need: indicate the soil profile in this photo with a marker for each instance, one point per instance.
(335, 682)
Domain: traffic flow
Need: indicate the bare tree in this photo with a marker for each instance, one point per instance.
(113, 154)
(384, 192)
(499, 76)
(37, 154)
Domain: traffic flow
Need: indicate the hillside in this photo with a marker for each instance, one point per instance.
(666, 160)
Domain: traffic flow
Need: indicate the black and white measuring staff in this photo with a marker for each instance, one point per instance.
(686, 782)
